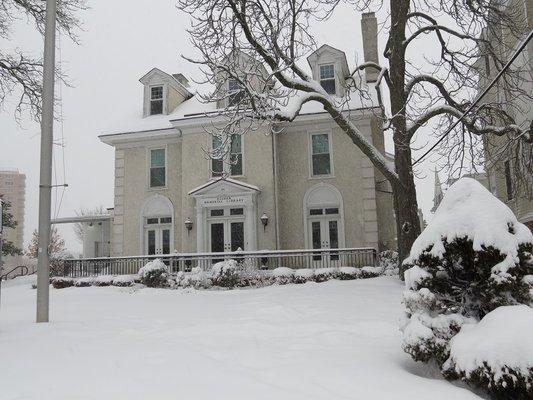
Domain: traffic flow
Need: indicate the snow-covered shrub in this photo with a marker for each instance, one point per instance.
(60, 282)
(325, 274)
(154, 274)
(283, 275)
(84, 282)
(388, 261)
(371, 272)
(124, 280)
(348, 273)
(254, 278)
(225, 274)
(471, 259)
(303, 275)
(103, 280)
(197, 278)
(496, 354)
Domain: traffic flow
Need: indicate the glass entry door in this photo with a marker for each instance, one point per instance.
(157, 236)
(226, 235)
(324, 234)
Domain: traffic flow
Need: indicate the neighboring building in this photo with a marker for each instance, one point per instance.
(499, 162)
(13, 190)
(307, 187)
(440, 190)
(95, 232)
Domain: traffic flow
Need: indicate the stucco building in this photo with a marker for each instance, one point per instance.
(306, 187)
(505, 180)
(13, 190)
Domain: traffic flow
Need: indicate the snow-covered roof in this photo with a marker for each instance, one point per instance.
(195, 107)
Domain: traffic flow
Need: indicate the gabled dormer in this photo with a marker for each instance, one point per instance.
(163, 92)
(330, 68)
(229, 90)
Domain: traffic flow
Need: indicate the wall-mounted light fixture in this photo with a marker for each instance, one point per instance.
(188, 225)
(264, 220)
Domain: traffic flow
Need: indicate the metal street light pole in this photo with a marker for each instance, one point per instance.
(45, 182)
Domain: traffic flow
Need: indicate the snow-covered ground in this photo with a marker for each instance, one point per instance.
(333, 340)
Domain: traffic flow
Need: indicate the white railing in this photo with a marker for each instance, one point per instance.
(263, 259)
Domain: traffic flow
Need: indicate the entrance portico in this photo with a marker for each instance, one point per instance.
(226, 215)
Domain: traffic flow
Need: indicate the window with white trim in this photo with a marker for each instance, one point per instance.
(235, 92)
(156, 100)
(221, 161)
(217, 164)
(236, 155)
(327, 78)
(320, 154)
(157, 168)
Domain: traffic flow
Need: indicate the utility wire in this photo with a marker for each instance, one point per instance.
(485, 91)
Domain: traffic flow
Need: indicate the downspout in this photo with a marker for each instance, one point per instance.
(275, 169)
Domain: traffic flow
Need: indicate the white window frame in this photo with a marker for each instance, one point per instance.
(242, 158)
(149, 166)
(310, 153)
(230, 92)
(226, 165)
(334, 76)
(163, 96)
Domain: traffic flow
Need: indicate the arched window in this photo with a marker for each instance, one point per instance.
(157, 225)
(324, 219)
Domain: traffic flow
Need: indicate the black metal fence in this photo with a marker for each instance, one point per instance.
(322, 258)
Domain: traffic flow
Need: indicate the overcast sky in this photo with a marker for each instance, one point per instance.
(121, 41)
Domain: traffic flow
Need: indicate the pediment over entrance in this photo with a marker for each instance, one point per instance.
(223, 186)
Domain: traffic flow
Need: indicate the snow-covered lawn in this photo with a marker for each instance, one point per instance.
(333, 340)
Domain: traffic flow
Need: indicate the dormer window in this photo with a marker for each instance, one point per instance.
(235, 93)
(156, 100)
(327, 78)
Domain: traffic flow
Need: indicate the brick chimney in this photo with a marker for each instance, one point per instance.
(369, 29)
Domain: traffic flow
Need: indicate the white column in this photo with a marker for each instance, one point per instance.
(200, 239)
(250, 233)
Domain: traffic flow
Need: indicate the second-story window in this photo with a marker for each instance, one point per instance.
(236, 155)
(156, 100)
(157, 168)
(235, 93)
(320, 155)
(327, 78)
(224, 161)
(217, 164)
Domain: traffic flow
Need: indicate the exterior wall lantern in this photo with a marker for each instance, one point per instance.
(188, 225)
(264, 220)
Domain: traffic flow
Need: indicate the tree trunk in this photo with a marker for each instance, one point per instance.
(405, 204)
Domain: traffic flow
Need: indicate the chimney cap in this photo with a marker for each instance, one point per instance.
(369, 15)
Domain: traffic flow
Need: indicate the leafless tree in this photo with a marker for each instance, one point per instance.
(21, 72)
(274, 87)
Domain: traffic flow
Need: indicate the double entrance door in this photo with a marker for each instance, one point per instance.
(226, 230)
(157, 237)
(324, 234)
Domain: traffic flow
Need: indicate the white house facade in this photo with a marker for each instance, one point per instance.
(306, 187)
